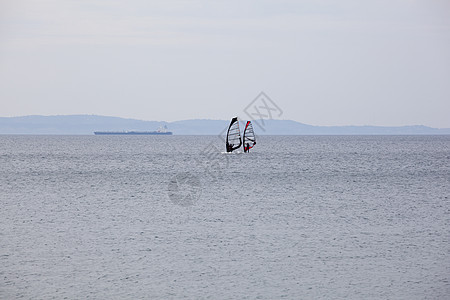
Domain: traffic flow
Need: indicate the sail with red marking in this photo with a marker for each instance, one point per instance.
(249, 137)
(234, 140)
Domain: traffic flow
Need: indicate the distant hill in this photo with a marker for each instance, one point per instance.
(87, 124)
(72, 124)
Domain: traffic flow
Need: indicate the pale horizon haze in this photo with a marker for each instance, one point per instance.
(348, 62)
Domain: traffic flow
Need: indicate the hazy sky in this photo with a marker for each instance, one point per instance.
(346, 62)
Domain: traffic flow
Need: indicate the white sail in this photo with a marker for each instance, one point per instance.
(234, 140)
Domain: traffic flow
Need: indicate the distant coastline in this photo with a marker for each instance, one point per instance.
(87, 124)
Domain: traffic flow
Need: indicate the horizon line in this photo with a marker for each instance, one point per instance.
(225, 120)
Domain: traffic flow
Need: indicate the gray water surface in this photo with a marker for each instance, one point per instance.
(134, 217)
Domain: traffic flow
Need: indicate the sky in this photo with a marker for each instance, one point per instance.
(322, 62)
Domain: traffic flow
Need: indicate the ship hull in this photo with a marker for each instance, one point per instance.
(132, 133)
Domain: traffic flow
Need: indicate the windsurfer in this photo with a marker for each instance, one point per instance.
(247, 147)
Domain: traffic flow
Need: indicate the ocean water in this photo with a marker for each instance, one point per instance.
(148, 217)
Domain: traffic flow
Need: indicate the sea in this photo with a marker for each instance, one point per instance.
(175, 217)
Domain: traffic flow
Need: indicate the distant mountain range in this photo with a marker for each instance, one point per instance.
(87, 124)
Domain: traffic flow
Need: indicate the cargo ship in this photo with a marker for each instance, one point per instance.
(160, 131)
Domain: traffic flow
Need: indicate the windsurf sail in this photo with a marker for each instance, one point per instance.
(234, 140)
(249, 137)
